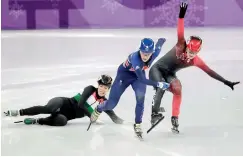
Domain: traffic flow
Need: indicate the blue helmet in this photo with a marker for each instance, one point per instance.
(147, 45)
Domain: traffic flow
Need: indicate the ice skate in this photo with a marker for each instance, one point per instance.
(175, 124)
(155, 117)
(12, 113)
(138, 130)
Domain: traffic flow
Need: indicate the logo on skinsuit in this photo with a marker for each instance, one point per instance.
(144, 68)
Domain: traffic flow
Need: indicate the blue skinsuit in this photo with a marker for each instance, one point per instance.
(131, 72)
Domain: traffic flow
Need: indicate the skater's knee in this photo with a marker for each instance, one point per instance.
(60, 120)
(55, 100)
(140, 101)
(54, 104)
(159, 91)
(176, 87)
(140, 96)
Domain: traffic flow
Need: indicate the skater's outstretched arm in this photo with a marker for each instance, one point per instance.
(143, 79)
(180, 30)
(202, 65)
(158, 47)
(180, 25)
(137, 66)
(180, 46)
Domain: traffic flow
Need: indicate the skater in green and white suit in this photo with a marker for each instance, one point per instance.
(63, 109)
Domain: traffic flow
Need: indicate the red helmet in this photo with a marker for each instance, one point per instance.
(194, 44)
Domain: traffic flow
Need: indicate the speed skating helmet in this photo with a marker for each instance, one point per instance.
(194, 44)
(147, 45)
(105, 80)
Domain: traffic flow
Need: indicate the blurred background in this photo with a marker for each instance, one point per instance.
(55, 14)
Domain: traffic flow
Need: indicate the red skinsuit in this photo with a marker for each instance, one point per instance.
(169, 64)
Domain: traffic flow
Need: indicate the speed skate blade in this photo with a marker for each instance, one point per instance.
(19, 121)
(175, 130)
(139, 136)
(154, 125)
(89, 126)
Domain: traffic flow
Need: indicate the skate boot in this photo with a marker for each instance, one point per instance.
(138, 130)
(29, 121)
(155, 117)
(175, 124)
(12, 113)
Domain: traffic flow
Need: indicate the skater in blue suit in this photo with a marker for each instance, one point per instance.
(132, 72)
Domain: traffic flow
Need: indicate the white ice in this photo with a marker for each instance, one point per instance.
(39, 65)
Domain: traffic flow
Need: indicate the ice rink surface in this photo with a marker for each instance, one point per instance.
(39, 65)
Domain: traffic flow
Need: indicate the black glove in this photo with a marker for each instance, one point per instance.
(183, 8)
(231, 84)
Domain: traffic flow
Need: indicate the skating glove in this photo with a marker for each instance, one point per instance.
(231, 84)
(160, 43)
(163, 85)
(94, 116)
(183, 8)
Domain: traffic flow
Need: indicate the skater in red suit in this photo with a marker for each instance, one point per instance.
(182, 55)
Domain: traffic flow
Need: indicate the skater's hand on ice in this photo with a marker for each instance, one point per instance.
(183, 8)
(118, 120)
(231, 84)
(94, 116)
(163, 85)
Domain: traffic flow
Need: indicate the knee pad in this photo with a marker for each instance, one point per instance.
(60, 120)
(175, 87)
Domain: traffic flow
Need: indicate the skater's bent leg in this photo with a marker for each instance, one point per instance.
(176, 89)
(140, 91)
(156, 75)
(55, 104)
(52, 106)
(159, 93)
(176, 105)
(54, 120)
(117, 90)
